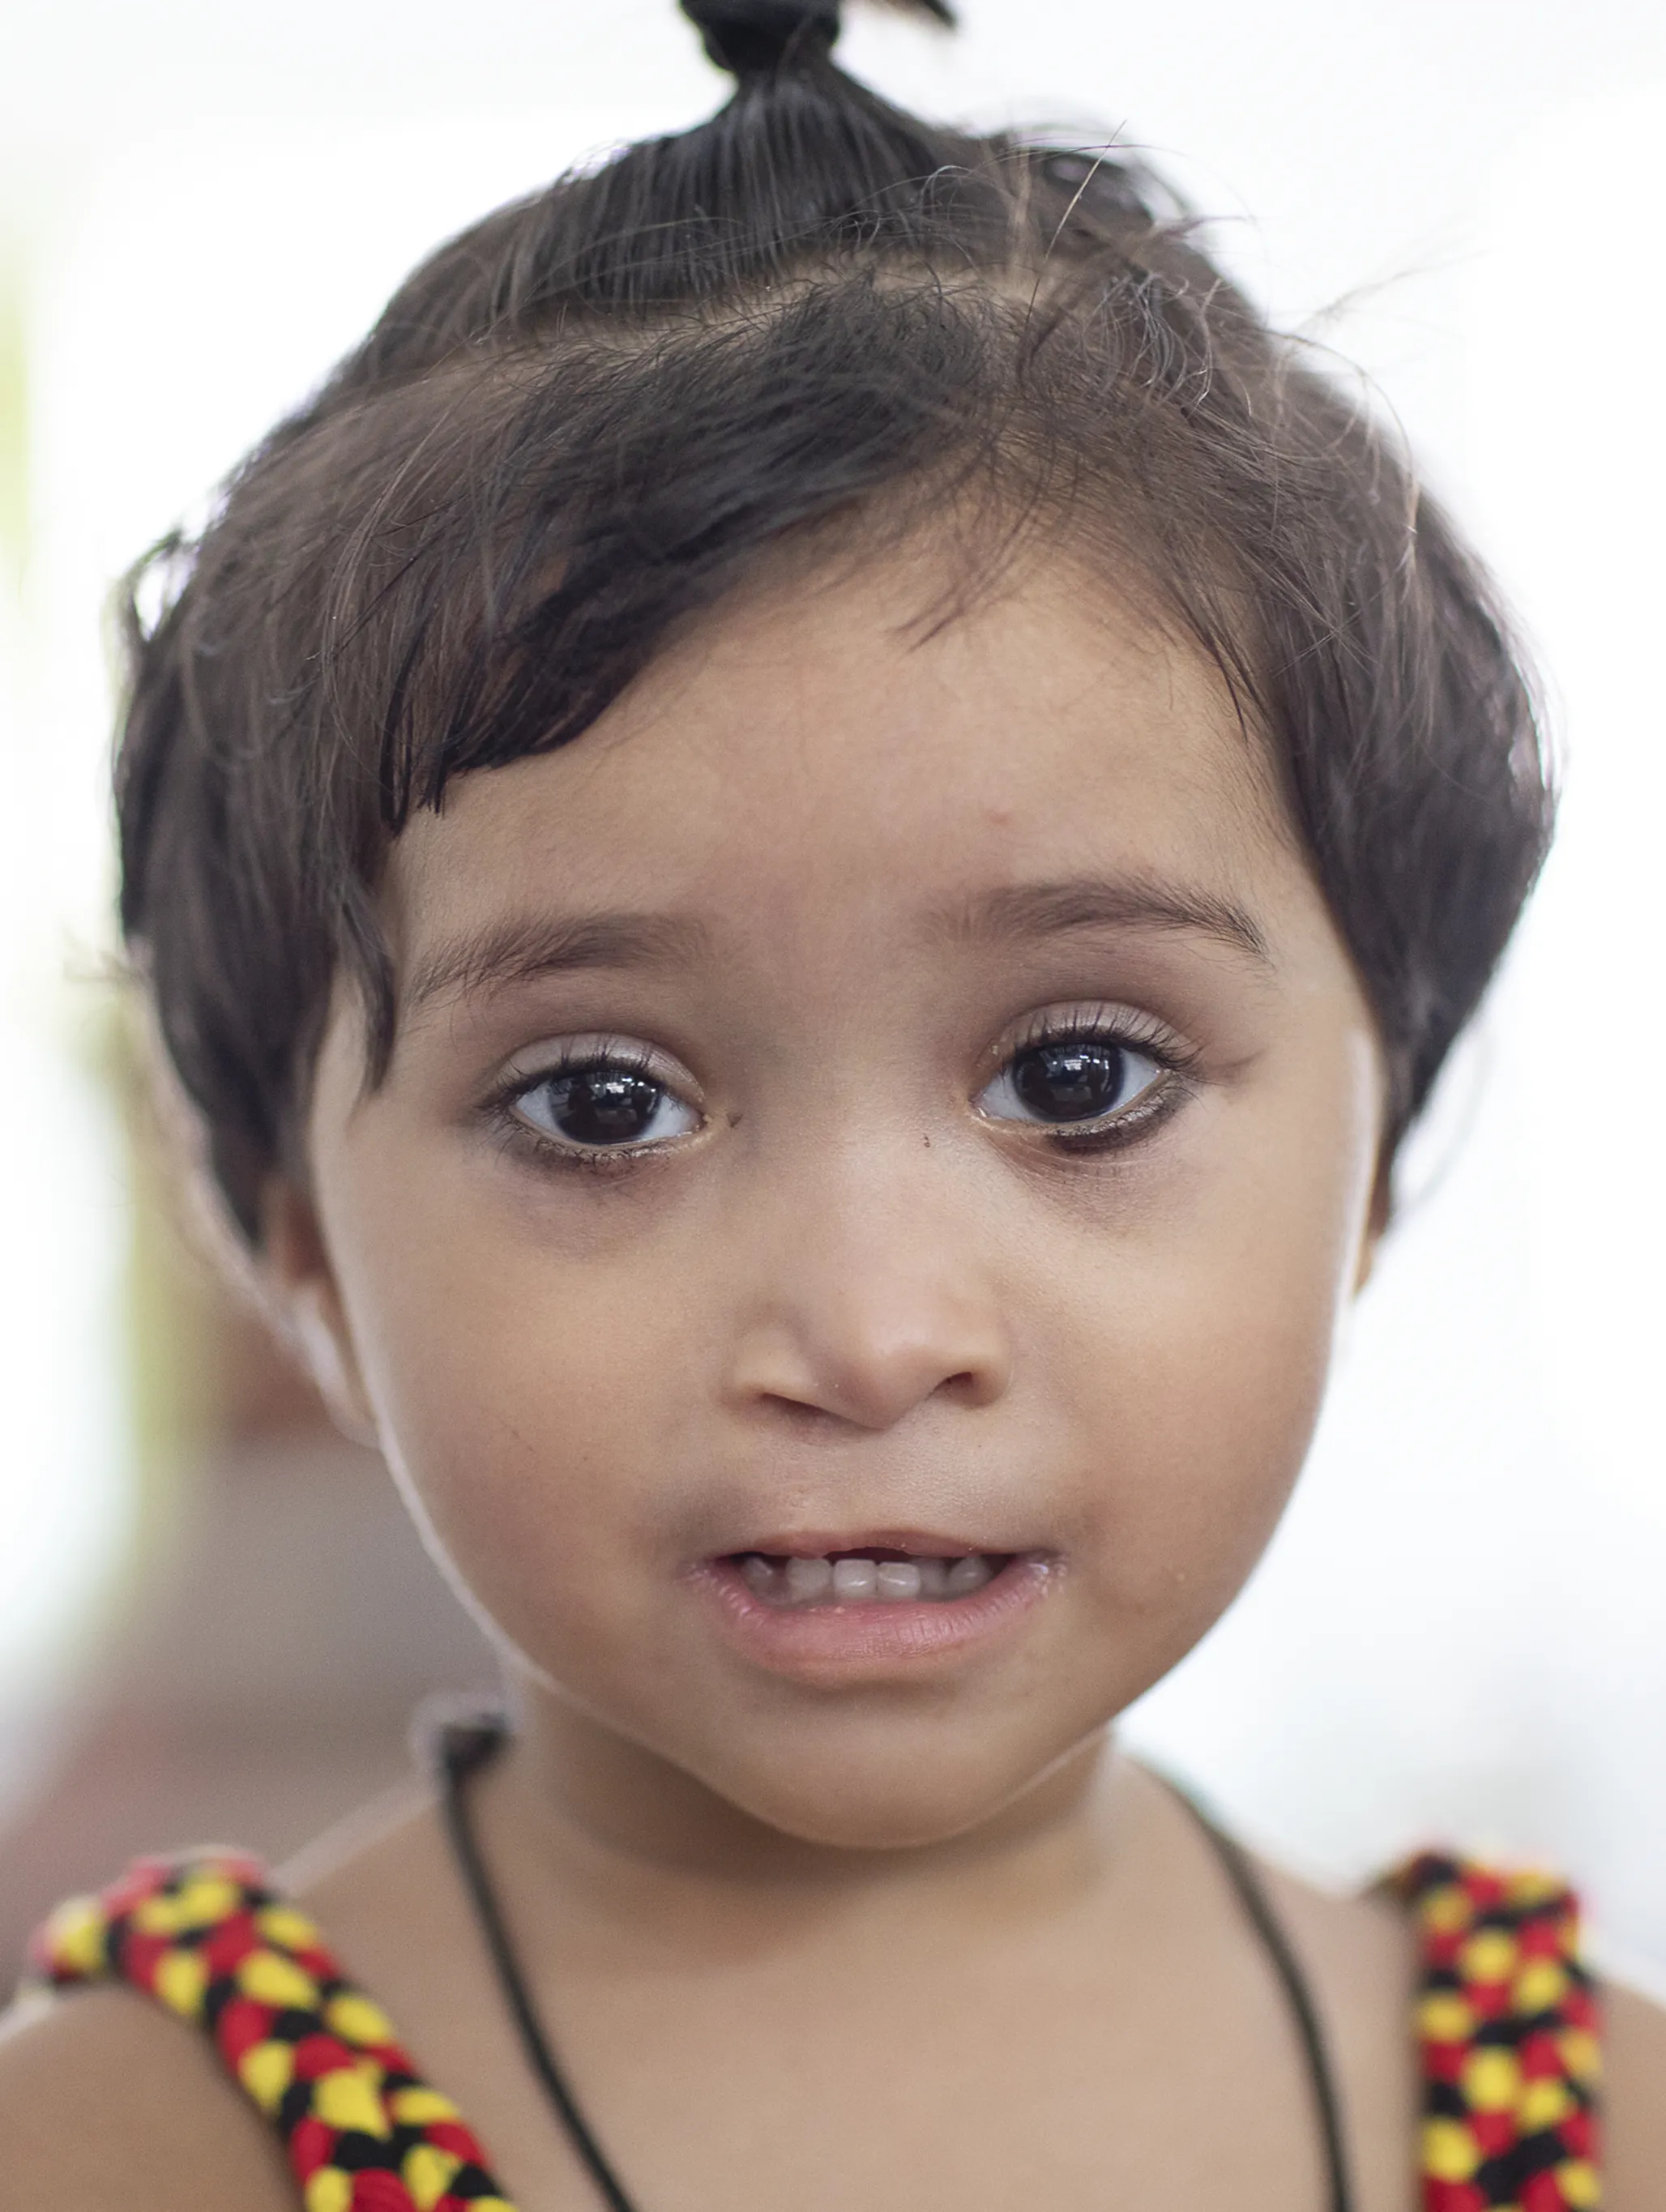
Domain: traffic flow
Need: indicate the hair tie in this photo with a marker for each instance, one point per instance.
(754, 38)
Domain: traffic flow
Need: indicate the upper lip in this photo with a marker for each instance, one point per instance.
(816, 1543)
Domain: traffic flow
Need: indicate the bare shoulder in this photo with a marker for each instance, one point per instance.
(356, 1868)
(107, 2101)
(1635, 2100)
(1361, 1956)
(1364, 1937)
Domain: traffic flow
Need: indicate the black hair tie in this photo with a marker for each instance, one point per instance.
(757, 38)
(754, 38)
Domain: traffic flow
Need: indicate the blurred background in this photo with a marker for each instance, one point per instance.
(213, 1622)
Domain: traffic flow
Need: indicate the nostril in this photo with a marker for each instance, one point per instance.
(975, 1386)
(794, 1414)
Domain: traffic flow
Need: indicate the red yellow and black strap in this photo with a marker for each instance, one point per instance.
(208, 1938)
(1507, 2030)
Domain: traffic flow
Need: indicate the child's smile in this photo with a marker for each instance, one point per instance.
(846, 1255)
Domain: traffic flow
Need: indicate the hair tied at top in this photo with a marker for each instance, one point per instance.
(755, 38)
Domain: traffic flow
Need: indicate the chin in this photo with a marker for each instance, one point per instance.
(884, 1805)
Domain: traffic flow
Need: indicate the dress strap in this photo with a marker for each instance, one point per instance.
(209, 1938)
(1507, 2028)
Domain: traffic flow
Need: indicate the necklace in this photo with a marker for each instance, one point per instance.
(463, 1748)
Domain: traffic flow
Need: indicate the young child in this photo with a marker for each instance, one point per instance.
(804, 848)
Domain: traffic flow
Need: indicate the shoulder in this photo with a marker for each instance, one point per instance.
(1364, 1936)
(1361, 1954)
(105, 2099)
(1635, 2100)
(109, 2095)
(1366, 1954)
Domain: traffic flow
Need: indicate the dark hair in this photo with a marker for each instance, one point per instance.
(587, 416)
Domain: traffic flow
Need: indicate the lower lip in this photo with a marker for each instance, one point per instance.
(871, 1635)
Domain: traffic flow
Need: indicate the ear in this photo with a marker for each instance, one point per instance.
(301, 1287)
(1376, 1224)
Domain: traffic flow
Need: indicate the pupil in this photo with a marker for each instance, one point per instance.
(1070, 1082)
(603, 1105)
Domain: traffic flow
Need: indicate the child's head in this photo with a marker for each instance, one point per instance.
(806, 846)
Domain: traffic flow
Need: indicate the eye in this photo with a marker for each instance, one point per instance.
(601, 1104)
(1071, 1082)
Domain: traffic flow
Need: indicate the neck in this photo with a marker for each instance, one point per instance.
(573, 1795)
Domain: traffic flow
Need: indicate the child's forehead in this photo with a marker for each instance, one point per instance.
(846, 742)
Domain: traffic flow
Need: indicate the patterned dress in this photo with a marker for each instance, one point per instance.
(1506, 2027)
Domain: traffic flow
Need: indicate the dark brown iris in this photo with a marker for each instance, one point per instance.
(602, 1105)
(1070, 1081)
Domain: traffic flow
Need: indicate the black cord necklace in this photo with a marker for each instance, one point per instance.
(463, 1748)
(1258, 1910)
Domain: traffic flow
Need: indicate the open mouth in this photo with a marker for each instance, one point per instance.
(871, 1575)
(833, 1609)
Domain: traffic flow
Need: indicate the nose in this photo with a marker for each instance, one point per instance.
(863, 1306)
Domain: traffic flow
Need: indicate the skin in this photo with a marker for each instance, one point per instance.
(870, 1928)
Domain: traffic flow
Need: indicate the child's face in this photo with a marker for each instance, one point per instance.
(868, 1096)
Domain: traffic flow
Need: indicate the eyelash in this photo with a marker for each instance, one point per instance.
(1137, 1033)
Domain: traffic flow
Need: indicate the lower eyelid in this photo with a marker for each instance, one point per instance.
(537, 1147)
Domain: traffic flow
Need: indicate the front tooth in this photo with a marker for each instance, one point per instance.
(968, 1575)
(898, 1580)
(808, 1580)
(854, 1580)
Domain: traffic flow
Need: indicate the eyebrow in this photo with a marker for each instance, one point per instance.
(525, 949)
(1110, 902)
(522, 949)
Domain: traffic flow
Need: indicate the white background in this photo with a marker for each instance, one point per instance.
(1461, 1628)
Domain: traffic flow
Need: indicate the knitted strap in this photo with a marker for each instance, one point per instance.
(1508, 2035)
(207, 1937)
(1507, 2028)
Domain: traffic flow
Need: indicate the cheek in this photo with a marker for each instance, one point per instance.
(1204, 1418)
(518, 1405)
(1195, 1375)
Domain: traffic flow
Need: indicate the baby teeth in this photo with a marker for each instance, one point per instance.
(857, 1581)
(808, 1579)
(966, 1576)
(898, 1579)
